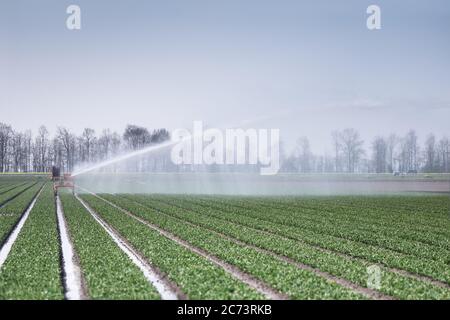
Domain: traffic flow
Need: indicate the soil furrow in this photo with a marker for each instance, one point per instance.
(72, 276)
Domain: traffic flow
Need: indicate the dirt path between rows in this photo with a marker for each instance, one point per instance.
(72, 277)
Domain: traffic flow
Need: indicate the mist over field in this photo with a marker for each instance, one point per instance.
(247, 184)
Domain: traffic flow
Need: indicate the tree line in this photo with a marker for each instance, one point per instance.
(390, 154)
(23, 152)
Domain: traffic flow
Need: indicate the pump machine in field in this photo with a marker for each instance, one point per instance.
(62, 181)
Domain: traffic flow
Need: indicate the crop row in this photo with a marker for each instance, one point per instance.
(294, 229)
(417, 212)
(5, 187)
(339, 226)
(430, 210)
(353, 270)
(381, 219)
(108, 272)
(196, 277)
(434, 269)
(295, 282)
(427, 213)
(5, 197)
(404, 209)
(9, 181)
(32, 269)
(432, 205)
(11, 213)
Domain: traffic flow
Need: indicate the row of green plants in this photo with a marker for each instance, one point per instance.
(263, 221)
(9, 195)
(347, 228)
(13, 210)
(398, 220)
(426, 212)
(422, 213)
(197, 277)
(5, 187)
(432, 209)
(285, 277)
(107, 270)
(351, 269)
(432, 204)
(32, 269)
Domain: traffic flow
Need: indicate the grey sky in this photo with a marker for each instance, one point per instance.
(306, 67)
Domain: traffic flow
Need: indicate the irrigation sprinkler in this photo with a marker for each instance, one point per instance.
(62, 181)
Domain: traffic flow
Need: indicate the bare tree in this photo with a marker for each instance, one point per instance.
(16, 150)
(68, 142)
(57, 152)
(352, 147)
(392, 143)
(337, 150)
(116, 142)
(42, 150)
(5, 136)
(444, 154)
(105, 144)
(160, 136)
(27, 150)
(430, 153)
(88, 139)
(410, 150)
(380, 151)
(136, 137)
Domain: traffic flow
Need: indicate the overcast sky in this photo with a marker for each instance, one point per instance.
(306, 67)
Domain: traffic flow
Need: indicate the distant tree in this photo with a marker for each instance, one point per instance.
(380, 151)
(88, 139)
(410, 150)
(41, 147)
(20, 152)
(430, 153)
(352, 148)
(159, 136)
(57, 152)
(27, 149)
(5, 136)
(136, 137)
(335, 135)
(392, 142)
(116, 142)
(104, 144)
(68, 142)
(16, 150)
(444, 154)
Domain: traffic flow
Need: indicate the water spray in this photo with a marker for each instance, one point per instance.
(124, 157)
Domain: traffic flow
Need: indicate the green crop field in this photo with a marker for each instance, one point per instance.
(167, 246)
